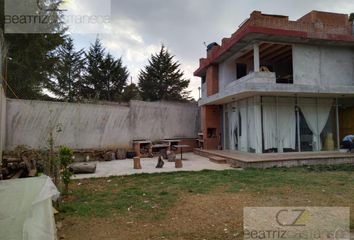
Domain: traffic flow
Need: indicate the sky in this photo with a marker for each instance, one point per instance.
(139, 27)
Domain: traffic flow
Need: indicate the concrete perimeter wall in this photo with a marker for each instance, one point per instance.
(97, 125)
(2, 120)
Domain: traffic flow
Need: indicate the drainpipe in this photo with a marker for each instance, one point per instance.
(351, 19)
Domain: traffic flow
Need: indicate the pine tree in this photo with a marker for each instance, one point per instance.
(131, 92)
(30, 59)
(68, 70)
(115, 76)
(93, 84)
(105, 77)
(162, 79)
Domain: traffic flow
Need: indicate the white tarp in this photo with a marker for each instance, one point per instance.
(269, 123)
(26, 211)
(286, 123)
(243, 131)
(316, 113)
(255, 124)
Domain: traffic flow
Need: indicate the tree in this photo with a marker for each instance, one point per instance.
(105, 77)
(115, 77)
(65, 158)
(30, 59)
(131, 92)
(162, 79)
(67, 76)
(92, 84)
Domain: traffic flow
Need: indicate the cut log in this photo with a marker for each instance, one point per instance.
(109, 156)
(11, 160)
(30, 166)
(137, 164)
(178, 163)
(18, 174)
(83, 168)
(121, 154)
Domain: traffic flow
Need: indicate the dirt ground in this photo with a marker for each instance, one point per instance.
(212, 216)
(203, 205)
(216, 216)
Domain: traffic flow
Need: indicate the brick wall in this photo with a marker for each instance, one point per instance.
(315, 25)
(212, 79)
(211, 118)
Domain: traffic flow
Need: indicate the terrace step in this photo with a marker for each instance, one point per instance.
(217, 159)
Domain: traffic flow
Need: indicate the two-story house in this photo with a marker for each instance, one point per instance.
(278, 85)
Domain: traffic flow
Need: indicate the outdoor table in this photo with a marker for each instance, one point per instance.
(137, 146)
(171, 142)
(181, 147)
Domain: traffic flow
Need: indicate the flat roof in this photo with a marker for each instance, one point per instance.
(316, 27)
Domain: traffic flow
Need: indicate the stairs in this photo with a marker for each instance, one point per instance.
(218, 160)
(211, 157)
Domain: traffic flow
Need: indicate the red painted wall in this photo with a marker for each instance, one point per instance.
(211, 119)
(212, 79)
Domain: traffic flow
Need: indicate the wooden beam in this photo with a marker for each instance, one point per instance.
(277, 53)
(264, 47)
(247, 56)
(283, 57)
(271, 50)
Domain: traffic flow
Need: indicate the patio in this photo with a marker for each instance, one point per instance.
(125, 167)
(253, 160)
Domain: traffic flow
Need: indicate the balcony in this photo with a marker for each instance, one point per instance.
(254, 77)
(267, 83)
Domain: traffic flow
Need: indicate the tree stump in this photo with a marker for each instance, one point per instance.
(137, 164)
(178, 163)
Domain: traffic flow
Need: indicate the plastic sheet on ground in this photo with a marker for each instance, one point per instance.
(26, 211)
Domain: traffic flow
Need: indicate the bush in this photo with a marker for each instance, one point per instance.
(65, 159)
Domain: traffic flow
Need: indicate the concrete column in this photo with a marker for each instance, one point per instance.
(337, 124)
(256, 58)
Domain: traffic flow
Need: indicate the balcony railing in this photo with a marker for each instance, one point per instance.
(255, 77)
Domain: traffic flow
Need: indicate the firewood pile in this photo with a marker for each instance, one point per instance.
(24, 165)
(145, 151)
(99, 155)
(24, 162)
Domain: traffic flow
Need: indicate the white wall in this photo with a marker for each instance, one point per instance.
(315, 65)
(97, 125)
(2, 120)
(227, 73)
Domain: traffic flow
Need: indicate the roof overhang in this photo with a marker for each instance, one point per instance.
(244, 37)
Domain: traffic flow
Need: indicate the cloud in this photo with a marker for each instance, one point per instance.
(140, 26)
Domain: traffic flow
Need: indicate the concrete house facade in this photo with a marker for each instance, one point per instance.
(280, 86)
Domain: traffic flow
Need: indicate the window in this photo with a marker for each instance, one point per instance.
(241, 70)
(211, 132)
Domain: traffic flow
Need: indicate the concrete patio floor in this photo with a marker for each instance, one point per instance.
(125, 167)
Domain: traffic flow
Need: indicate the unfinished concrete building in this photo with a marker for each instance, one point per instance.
(280, 86)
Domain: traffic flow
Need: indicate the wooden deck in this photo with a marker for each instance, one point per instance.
(252, 160)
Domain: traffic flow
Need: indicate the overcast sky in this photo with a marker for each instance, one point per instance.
(140, 26)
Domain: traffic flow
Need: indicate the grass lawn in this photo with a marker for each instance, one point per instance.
(195, 205)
